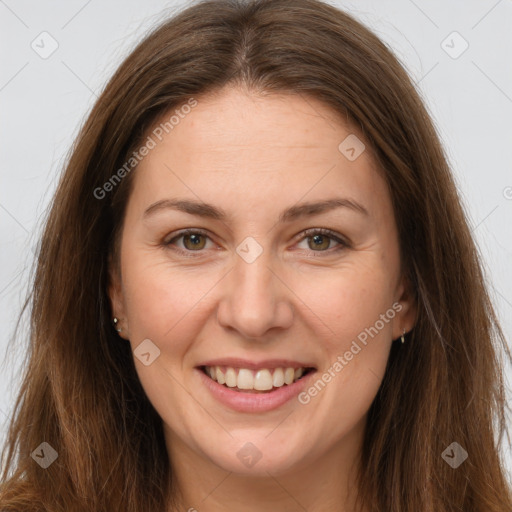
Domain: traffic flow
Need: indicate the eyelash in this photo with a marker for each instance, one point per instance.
(308, 233)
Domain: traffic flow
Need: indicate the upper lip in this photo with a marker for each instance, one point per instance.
(236, 362)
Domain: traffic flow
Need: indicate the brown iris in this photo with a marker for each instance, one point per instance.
(194, 240)
(326, 240)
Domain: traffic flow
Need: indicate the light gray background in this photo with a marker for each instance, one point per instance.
(44, 101)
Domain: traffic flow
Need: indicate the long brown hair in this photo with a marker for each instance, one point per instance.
(81, 393)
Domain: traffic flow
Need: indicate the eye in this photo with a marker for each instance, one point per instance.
(194, 240)
(320, 239)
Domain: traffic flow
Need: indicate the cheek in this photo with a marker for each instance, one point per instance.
(342, 312)
(163, 303)
(355, 308)
(347, 300)
(353, 313)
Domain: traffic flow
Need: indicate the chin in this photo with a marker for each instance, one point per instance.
(257, 459)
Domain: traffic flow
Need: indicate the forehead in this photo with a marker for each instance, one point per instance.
(275, 147)
(233, 121)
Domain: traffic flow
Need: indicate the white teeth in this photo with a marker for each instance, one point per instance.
(263, 380)
(230, 377)
(289, 374)
(245, 379)
(219, 375)
(278, 377)
(260, 380)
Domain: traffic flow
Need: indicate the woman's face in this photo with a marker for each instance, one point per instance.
(251, 296)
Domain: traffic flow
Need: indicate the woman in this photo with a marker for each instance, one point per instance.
(257, 289)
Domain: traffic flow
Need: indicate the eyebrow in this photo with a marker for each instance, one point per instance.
(206, 210)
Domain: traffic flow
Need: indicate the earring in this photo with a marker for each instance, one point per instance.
(115, 325)
(402, 339)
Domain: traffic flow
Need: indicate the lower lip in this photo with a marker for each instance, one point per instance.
(254, 402)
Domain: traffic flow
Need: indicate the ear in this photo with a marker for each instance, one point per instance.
(116, 296)
(406, 317)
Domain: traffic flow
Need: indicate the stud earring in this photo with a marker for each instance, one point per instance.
(115, 325)
(402, 339)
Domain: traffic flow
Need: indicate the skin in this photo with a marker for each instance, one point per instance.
(254, 157)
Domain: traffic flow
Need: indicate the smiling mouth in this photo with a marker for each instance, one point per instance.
(264, 380)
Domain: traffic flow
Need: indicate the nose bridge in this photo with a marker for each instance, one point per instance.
(253, 277)
(256, 300)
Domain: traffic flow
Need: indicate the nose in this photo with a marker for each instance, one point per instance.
(255, 299)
